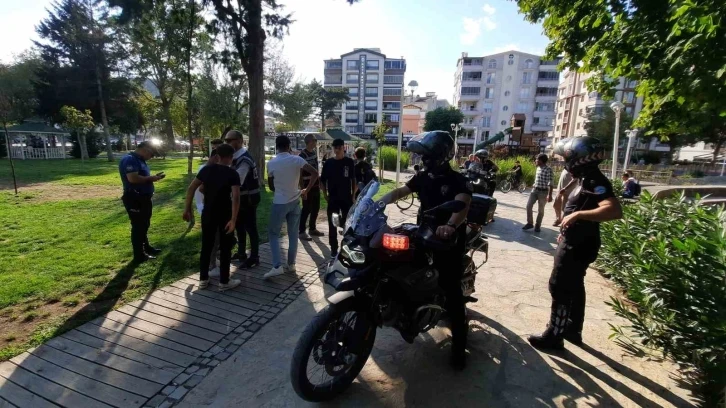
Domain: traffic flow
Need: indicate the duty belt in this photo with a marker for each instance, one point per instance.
(248, 192)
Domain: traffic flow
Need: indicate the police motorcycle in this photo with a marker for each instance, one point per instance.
(383, 276)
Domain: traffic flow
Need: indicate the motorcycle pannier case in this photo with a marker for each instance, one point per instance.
(481, 210)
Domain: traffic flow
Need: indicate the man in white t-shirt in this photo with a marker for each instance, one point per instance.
(199, 202)
(283, 175)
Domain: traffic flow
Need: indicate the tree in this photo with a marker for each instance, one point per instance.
(296, 105)
(686, 127)
(80, 51)
(379, 133)
(325, 100)
(80, 123)
(674, 49)
(222, 100)
(442, 118)
(601, 125)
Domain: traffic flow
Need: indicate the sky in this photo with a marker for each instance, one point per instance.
(429, 34)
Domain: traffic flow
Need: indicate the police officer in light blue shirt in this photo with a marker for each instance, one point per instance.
(138, 184)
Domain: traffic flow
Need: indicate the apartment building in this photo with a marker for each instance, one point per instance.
(375, 85)
(508, 89)
(415, 109)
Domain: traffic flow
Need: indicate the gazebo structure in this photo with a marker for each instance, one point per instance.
(49, 135)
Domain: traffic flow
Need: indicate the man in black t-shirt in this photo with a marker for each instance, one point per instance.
(311, 202)
(589, 204)
(220, 184)
(363, 171)
(436, 184)
(337, 182)
(517, 170)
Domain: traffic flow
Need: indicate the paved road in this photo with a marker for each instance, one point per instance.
(503, 369)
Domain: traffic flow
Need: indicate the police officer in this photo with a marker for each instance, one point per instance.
(249, 199)
(484, 167)
(138, 184)
(591, 202)
(436, 184)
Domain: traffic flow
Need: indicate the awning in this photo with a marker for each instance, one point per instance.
(340, 134)
(36, 128)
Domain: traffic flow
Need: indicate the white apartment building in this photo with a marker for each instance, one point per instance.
(490, 90)
(375, 85)
(575, 102)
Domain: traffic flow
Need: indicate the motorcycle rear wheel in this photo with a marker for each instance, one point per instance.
(505, 186)
(327, 354)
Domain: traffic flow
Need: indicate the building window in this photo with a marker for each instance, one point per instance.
(391, 105)
(391, 91)
(509, 78)
(548, 75)
(352, 91)
(524, 93)
(334, 64)
(511, 59)
(351, 118)
(629, 110)
(504, 122)
(491, 77)
(486, 121)
(505, 108)
(578, 125)
(631, 84)
(393, 79)
(582, 98)
(492, 64)
(541, 91)
(391, 117)
(522, 107)
(489, 93)
(371, 105)
(351, 64)
(395, 64)
(371, 78)
(487, 107)
(470, 90)
(371, 118)
(352, 105)
(527, 77)
(372, 64)
(393, 130)
(559, 116)
(485, 135)
(470, 107)
(472, 61)
(507, 93)
(628, 97)
(544, 106)
(471, 76)
(535, 120)
(371, 91)
(558, 128)
(580, 112)
(351, 78)
(528, 64)
(333, 79)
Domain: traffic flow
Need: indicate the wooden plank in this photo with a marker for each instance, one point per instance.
(299, 262)
(5, 404)
(187, 310)
(146, 336)
(201, 307)
(141, 341)
(21, 397)
(83, 385)
(259, 280)
(214, 295)
(236, 294)
(160, 331)
(200, 297)
(119, 350)
(47, 389)
(97, 372)
(113, 361)
(259, 296)
(263, 270)
(166, 312)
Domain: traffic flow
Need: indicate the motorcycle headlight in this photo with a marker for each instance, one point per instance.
(356, 257)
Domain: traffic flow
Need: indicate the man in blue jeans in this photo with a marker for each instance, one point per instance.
(283, 176)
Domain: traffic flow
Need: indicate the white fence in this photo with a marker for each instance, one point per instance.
(23, 153)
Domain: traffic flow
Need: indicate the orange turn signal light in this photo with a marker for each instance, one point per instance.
(395, 242)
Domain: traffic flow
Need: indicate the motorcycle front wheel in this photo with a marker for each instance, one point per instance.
(505, 186)
(331, 352)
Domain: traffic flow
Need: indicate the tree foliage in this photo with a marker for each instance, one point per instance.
(80, 123)
(325, 100)
(675, 49)
(442, 118)
(601, 125)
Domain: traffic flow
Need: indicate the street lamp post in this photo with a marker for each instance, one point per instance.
(456, 127)
(617, 107)
(632, 134)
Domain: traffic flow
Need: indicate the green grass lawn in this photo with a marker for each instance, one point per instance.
(65, 251)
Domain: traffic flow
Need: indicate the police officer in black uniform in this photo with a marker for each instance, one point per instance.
(591, 202)
(484, 167)
(138, 184)
(436, 184)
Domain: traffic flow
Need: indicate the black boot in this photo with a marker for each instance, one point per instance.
(574, 337)
(552, 338)
(547, 340)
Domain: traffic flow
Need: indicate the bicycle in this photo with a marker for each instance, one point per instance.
(506, 185)
(406, 202)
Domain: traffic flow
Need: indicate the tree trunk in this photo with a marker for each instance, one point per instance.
(322, 121)
(10, 156)
(190, 39)
(104, 119)
(255, 75)
(716, 149)
(82, 144)
(166, 113)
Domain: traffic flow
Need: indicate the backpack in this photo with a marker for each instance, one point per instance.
(636, 188)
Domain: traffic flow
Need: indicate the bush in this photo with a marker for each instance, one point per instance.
(93, 142)
(697, 174)
(528, 169)
(389, 155)
(669, 256)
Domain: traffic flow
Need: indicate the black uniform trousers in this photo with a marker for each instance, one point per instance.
(567, 284)
(139, 208)
(341, 207)
(310, 208)
(247, 224)
(212, 225)
(451, 269)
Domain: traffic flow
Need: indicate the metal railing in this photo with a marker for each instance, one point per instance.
(38, 153)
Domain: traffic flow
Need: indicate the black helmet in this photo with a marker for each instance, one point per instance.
(582, 152)
(436, 148)
(559, 148)
(482, 154)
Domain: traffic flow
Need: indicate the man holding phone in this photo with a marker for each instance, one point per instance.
(138, 184)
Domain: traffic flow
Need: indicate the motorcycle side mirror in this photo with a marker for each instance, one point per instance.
(416, 167)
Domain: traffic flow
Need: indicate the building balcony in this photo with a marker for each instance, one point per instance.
(470, 112)
(541, 127)
(470, 97)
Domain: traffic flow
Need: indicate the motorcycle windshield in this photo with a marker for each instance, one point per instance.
(362, 205)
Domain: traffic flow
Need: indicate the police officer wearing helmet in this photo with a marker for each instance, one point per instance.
(591, 202)
(436, 184)
(484, 167)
